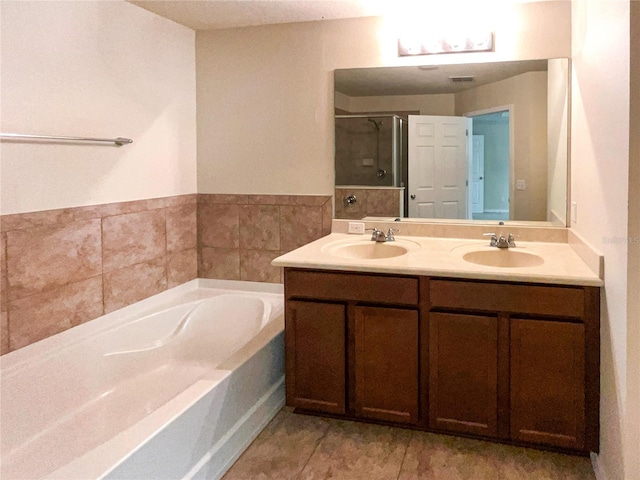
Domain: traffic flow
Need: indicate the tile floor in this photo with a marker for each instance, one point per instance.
(303, 447)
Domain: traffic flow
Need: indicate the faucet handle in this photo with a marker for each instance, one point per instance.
(376, 235)
(389, 237)
(510, 240)
(494, 239)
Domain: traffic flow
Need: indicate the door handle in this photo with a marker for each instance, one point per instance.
(413, 196)
(480, 178)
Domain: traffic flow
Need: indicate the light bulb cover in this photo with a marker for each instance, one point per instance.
(430, 44)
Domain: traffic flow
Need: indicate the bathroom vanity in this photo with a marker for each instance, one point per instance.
(422, 340)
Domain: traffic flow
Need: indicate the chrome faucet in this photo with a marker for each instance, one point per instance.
(379, 235)
(501, 241)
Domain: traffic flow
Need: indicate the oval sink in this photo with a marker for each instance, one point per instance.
(371, 250)
(365, 249)
(503, 258)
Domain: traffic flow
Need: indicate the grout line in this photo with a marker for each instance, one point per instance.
(166, 249)
(314, 450)
(404, 456)
(5, 266)
(102, 262)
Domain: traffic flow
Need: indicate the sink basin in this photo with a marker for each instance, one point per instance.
(368, 250)
(371, 250)
(505, 258)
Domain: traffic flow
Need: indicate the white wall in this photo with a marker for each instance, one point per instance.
(96, 69)
(600, 186)
(265, 94)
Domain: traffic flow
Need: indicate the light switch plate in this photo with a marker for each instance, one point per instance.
(520, 185)
(356, 227)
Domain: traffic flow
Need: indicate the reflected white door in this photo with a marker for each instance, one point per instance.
(477, 174)
(437, 166)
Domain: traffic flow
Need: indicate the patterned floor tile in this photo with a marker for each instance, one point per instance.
(354, 451)
(281, 450)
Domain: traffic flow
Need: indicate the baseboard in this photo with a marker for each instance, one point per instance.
(215, 463)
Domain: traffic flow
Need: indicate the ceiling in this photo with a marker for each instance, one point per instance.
(365, 82)
(217, 14)
(220, 14)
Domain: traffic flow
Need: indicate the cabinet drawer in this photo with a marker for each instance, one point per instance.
(503, 297)
(351, 287)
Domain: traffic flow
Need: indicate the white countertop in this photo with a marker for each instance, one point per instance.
(442, 257)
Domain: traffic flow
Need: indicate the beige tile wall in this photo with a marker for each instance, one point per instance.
(239, 235)
(60, 268)
(370, 202)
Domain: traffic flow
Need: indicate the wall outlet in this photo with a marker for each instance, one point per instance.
(367, 162)
(356, 227)
(520, 185)
(574, 212)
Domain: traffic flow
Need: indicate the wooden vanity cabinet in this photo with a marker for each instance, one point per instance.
(516, 362)
(534, 368)
(353, 345)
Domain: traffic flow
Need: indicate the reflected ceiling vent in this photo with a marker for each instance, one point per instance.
(462, 79)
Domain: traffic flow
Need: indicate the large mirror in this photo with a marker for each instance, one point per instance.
(479, 142)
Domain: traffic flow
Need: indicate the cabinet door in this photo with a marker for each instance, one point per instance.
(547, 382)
(315, 356)
(386, 364)
(463, 373)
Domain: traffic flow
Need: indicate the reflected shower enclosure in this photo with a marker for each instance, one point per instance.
(371, 150)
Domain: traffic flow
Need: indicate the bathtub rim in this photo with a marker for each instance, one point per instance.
(47, 347)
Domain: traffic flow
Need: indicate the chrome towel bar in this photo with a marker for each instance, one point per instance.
(20, 136)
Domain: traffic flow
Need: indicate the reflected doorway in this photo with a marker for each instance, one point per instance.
(489, 170)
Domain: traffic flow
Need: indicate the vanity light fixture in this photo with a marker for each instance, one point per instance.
(429, 44)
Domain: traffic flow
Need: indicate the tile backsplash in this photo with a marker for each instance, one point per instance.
(239, 235)
(61, 268)
(370, 202)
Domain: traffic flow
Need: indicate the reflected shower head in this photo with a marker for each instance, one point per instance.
(377, 124)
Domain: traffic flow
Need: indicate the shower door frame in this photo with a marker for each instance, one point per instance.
(396, 145)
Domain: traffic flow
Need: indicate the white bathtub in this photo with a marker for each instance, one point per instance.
(175, 386)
